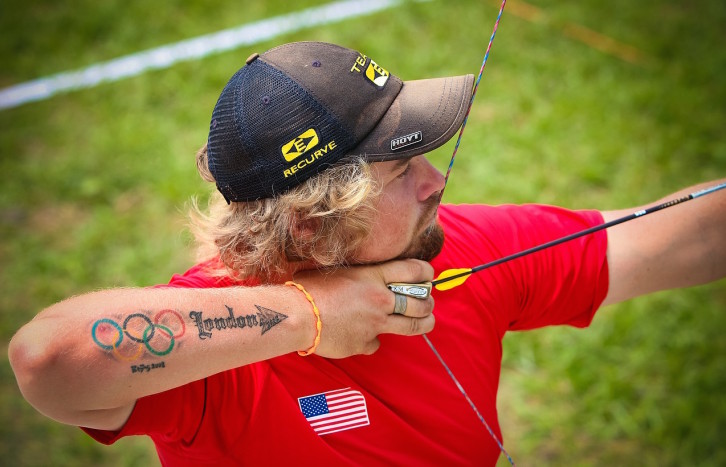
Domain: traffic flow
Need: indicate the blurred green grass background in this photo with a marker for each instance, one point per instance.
(584, 104)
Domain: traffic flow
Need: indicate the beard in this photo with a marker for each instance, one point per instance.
(425, 246)
(429, 244)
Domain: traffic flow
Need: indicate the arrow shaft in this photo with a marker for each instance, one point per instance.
(582, 233)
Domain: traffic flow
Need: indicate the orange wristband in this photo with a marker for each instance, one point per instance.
(318, 322)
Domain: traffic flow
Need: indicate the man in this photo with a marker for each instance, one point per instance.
(317, 152)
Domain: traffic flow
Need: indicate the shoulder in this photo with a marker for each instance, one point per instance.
(506, 221)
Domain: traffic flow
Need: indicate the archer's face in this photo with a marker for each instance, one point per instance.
(405, 225)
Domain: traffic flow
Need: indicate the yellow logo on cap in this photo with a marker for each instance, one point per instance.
(377, 74)
(300, 145)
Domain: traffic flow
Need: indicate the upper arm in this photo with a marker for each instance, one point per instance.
(627, 256)
(681, 246)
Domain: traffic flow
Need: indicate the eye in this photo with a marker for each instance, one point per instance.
(405, 171)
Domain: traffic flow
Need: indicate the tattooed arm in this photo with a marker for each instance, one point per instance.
(85, 361)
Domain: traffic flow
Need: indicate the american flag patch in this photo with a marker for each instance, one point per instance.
(339, 410)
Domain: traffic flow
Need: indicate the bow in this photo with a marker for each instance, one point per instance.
(423, 290)
(454, 277)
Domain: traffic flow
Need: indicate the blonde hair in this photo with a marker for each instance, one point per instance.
(323, 220)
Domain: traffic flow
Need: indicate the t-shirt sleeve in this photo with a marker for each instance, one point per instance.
(564, 284)
(173, 415)
(201, 277)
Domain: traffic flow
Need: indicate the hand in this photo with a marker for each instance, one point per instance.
(356, 306)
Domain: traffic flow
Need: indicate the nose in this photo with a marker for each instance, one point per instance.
(431, 180)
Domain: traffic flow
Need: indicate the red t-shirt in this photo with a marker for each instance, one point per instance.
(398, 406)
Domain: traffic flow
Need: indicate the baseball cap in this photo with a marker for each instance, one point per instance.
(300, 108)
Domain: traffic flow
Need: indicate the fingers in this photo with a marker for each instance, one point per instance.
(409, 270)
(405, 326)
(411, 316)
(412, 307)
(356, 306)
(401, 303)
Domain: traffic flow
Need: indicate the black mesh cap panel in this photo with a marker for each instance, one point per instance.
(245, 142)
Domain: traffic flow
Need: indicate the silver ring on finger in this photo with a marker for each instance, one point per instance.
(400, 307)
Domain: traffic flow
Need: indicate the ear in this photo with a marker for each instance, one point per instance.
(304, 234)
(304, 231)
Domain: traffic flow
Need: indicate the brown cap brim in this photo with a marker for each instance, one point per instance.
(424, 115)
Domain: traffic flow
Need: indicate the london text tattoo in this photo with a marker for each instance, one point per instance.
(146, 334)
(265, 318)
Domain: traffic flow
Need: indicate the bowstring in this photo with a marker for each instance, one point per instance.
(473, 95)
(441, 195)
(468, 399)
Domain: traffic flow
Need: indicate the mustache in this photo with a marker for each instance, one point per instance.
(431, 205)
(429, 243)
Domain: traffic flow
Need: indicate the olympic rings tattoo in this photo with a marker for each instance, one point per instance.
(149, 324)
(112, 323)
(146, 336)
(171, 340)
(181, 321)
(133, 357)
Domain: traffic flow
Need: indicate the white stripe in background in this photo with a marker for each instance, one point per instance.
(190, 49)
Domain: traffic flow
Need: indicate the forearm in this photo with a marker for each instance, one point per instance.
(86, 360)
(104, 350)
(681, 246)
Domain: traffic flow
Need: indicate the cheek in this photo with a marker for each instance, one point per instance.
(395, 216)
(391, 232)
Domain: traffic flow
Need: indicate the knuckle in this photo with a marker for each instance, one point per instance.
(414, 327)
(379, 322)
(428, 324)
(382, 299)
(428, 270)
(416, 268)
(421, 308)
(422, 269)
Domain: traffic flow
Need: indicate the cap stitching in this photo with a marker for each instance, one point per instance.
(419, 149)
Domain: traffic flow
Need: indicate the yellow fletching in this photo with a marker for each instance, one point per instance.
(453, 282)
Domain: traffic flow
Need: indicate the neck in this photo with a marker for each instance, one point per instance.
(291, 269)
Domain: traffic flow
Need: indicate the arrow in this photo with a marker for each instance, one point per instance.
(452, 278)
